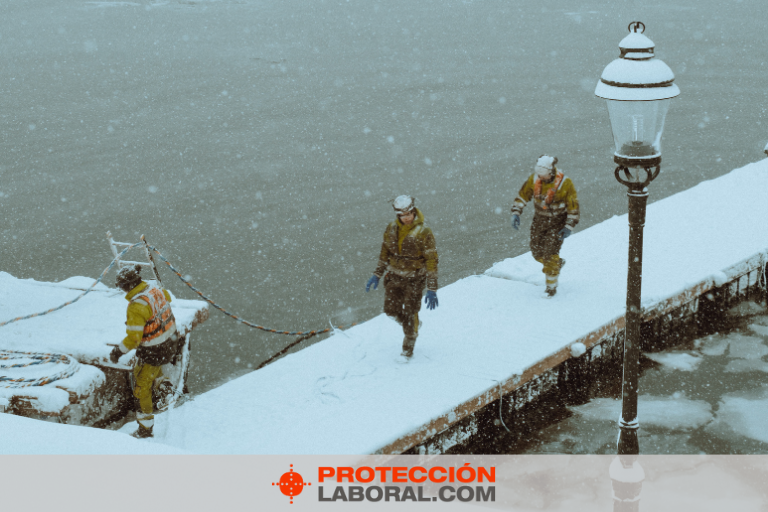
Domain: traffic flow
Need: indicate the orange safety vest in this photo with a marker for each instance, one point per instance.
(550, 193)
(162, 325)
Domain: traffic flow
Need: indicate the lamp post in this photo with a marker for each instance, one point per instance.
(638, 89)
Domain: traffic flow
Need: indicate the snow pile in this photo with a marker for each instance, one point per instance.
(578, 349)
(29, 437)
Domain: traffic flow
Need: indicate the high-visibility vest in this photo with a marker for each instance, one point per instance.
(162, 325)
(544, 202)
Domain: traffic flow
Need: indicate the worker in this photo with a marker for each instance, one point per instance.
(555, 217)
(409, 259)
(151, 330)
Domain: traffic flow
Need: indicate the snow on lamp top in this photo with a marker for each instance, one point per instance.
(637, 75)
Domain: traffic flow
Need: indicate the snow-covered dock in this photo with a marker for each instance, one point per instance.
(493, 334)
(83, 332)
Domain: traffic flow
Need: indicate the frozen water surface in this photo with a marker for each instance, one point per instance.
(746, 347)
(671, 413)
(676, 360)
(715, 345)
(743, 413)
(709, 399)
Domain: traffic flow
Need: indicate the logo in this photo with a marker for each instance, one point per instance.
(291, 484)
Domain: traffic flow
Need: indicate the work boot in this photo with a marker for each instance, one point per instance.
(408, 343)
(143, 432)
(551, 286)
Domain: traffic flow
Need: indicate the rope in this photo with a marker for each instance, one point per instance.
(501, 399)
(304, 334)
(76, 298)
(37, 358)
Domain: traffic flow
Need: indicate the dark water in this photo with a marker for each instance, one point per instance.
(257, 143)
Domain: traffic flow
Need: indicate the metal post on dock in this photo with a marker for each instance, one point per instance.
(637, 95)
(638, 198)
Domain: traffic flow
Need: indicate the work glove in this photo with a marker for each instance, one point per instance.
(516, 221)
(565, 233)
(431, 299)
(374, 280)
(114, 356)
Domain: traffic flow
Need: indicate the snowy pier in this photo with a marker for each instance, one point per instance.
(69, 348)
(495, 336)
(486, 359)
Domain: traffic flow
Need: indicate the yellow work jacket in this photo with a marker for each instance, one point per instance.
(552, 199)
(149, 320)
(409, 251)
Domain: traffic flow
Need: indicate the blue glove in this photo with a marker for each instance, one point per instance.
(565, 233)
(374, 280)
(431, 299)
(516, 221)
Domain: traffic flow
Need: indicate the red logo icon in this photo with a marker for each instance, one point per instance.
(291, 483)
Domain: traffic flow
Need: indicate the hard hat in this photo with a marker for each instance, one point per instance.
(128, 278)
(545, 166)
(404, 204)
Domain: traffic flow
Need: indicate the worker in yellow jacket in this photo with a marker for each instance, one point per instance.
(151, 329)
(556, 215)
(409, 259)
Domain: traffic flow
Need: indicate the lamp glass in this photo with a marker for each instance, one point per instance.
(637, 127)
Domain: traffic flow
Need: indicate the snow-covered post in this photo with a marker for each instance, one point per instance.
(638, 89)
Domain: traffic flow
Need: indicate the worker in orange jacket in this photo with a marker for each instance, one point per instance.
(151, 330)
(556, 215)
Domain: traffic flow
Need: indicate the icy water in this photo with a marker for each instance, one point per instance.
(711, 397)
(257, 142)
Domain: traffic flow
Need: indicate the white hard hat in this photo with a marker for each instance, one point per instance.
(403, 204)
(545, 165)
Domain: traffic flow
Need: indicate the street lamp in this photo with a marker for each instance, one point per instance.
(637, 88)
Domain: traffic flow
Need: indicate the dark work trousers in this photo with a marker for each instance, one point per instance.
(546, 242)
(402, 301)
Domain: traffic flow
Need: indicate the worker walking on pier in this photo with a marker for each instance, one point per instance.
(409, 258)
(556, 215)
(151, 329)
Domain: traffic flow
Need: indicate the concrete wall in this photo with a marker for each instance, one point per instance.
(536, 403)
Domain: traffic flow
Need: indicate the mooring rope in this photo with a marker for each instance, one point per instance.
(36, 358)
(76, 298)
(304, 334)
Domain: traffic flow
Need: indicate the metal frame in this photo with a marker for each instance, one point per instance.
(118, 247)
